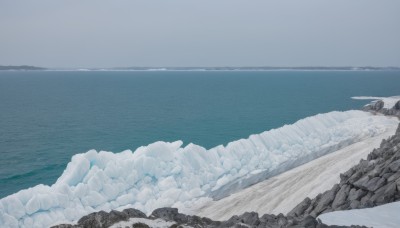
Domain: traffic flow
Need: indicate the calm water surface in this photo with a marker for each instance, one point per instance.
(46, 117)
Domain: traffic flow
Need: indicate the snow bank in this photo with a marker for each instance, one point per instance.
(281, 193)
(388, 102)
(385, 216)
(167, 174)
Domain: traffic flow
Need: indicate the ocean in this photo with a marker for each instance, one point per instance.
(48, 116)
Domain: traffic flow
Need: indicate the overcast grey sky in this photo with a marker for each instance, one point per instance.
(108, 33)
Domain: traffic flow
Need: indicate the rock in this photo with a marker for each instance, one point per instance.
(366, 198)
(398, 184)
(355, 177)
(268, 219)
(326, 199)
(397, 106)
(165, 213)
(95, 220)
(391, 189)
(373, 155)
(300, 208)
(354, 204)
(395, 166)
(308, 222)
(232, 221)
(384, 194)
(346, 175)
(378, 105)
(362, 182)
(250, 218)
(104, 219)
(66, 226)
(376, 172)
(374, 106)
(356, 194)
(375, 183)
(282, 220)
(341, 196)
(133, 213)
(366, 204)
(140, 225)
(370, 184)
(387, 176)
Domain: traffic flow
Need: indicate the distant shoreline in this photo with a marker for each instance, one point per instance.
(24, 67)
(200, 69)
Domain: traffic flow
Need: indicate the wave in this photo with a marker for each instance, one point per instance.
(167, 174)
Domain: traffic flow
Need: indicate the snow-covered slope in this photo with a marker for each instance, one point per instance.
(385, 216)
(281, 193)
(166, 174)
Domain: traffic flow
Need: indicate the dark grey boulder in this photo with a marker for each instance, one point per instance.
(395, 166)
(165, 213)
(356, 194)
(102, 219)
(140, 225)
(370, 184)
(300, 208)
(374, 106)
(326, 199)
(133, 213)
(354, 204)
(341, 196)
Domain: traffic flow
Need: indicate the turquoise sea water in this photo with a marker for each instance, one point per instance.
(46, 117)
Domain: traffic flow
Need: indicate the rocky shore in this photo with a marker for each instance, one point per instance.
(249, 219)
(379, 107)
(373, 182)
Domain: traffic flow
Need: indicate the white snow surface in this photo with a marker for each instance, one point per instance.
(384, 216)
(167, 174)
(157, 223)
(281, 193)
(388, 102)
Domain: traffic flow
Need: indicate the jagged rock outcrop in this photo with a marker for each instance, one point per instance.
(378, 107)
(103, 219)
(248, 219)
(372, 182)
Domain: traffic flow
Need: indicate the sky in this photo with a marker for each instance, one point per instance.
(184, 33)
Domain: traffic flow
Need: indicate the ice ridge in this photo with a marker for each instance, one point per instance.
(166, 174)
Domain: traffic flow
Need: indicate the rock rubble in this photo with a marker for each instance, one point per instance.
(249, 219)
(372, 182)
(378, 107)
